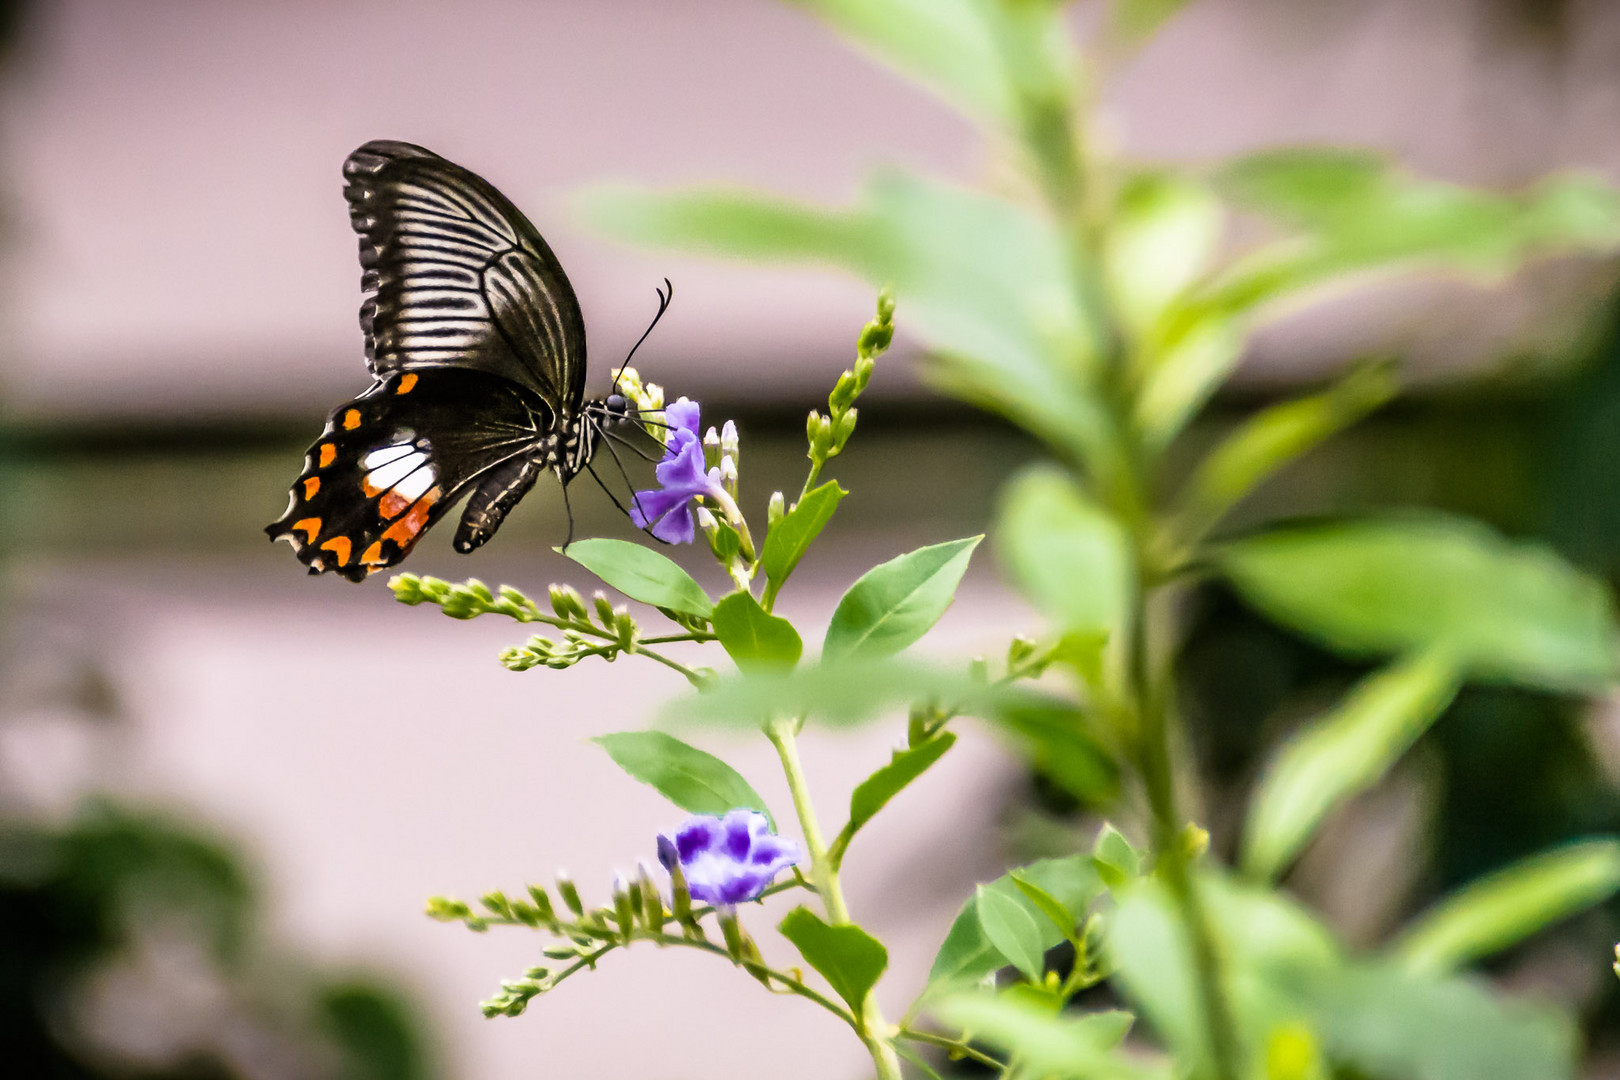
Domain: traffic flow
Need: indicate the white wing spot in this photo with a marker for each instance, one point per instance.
(398, 469)
(384, 454)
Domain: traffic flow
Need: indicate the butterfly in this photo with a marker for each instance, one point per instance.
(477, 346)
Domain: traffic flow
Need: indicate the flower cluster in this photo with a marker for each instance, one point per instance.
(684, 476)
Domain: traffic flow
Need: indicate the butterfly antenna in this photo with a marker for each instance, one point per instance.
(622, 509)
(665, 295)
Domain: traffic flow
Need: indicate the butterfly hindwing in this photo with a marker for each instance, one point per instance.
(456, 276)
(394, 460)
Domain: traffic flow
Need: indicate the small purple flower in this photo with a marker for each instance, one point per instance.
(727, 860)
(681, 476)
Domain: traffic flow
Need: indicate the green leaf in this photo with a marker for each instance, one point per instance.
(1342, 754)
(992, 287)
(849, 958)
(892, 605)
(1160, 240)
(1140, 18)
(966, 955)
(1511, 904)
(1354, 211)
(641, 574)
(1070, 557)
(1267, 941)
(947, 45)
(1272, 438)
(753, 639)
(1068, 1046)
(1012, 929)
(789, 538)
(874, 793)
(1185, 365)
(1053, 734)
(1048, 905)
(693, 780)
(1380, 1019)
(1503, 610)
(844, 693)
(1117, 862)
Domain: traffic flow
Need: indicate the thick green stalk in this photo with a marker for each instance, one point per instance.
(874, 1030)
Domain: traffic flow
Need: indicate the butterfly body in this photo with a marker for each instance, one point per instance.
(477, 346)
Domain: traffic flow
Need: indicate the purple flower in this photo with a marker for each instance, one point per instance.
(727, 860)
(681, 476)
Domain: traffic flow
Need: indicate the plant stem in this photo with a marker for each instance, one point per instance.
(1171, 858)
(874, 1031)
(955, 1046)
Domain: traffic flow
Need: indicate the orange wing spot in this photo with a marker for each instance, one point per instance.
(373, 555)
(311, 526)
(406, 384)
(392, 504)
(368, 487)
(339, 546)
(404, 531)
(328, 455)
(311, 486)
(351, 419)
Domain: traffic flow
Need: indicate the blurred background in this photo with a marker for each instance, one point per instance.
(226, 788)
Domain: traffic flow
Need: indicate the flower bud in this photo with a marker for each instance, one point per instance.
(812, 428)
(729, 443)
(566, 603)
(604, 609)
(705, 519)
(570, 895)
(652, 903)
(624, 908)
(846, 428)
(777, 509)
(542, 904)
(728, 470)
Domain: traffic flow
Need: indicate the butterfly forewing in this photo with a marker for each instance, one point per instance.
(456, 276)
(393, 461)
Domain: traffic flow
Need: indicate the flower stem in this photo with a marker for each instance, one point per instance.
(955, 1046)
(875, 1032)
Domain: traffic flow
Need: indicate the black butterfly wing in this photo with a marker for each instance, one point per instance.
(456, 276)
(394, 460)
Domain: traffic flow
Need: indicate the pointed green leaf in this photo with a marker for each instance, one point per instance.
(693, 780)
(1272, 438)
(641, 574)
(1069, 557)
(753, 639)
(874, 793)
(1013, 930)
(850, 959)
(1503, 610)
(1116, 860)
(1162, 236)
(1511, 904)
(892, 605)
(1047, 904)
(966, 955)
(789, 538)
(1342, 754)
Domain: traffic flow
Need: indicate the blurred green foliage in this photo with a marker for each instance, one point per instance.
(1100, 304)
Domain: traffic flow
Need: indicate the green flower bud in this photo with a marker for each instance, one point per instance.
(624, 909)
(570, 895)
(542, 904)
(846, 428)
(604, 609)
(733, 933)
(776, 510)
(566, 603)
